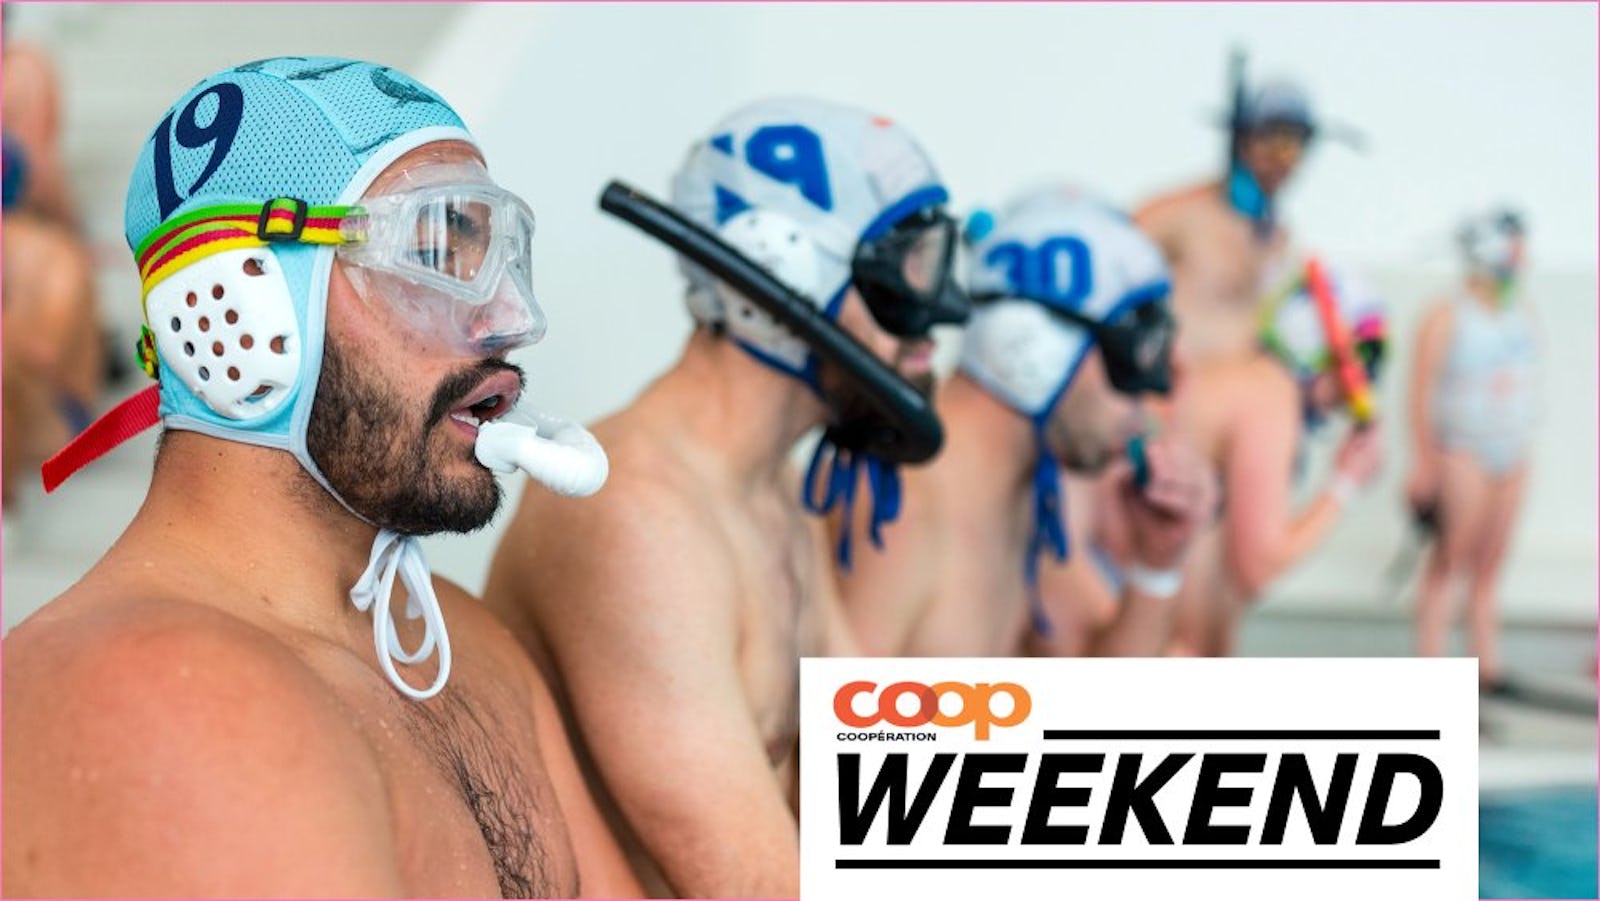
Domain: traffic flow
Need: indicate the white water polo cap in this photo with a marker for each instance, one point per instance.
(826, 197)
(823, 195)
(1057, 273)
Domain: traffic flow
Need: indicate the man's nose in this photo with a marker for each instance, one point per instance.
(506, 317)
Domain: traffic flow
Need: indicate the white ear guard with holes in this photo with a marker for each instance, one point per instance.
(782, 246)
(286, 300)
(1021, 353)
(225, 327)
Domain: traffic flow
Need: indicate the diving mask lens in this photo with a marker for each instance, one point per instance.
(456, 258)
(925, 260)
(1136, 347)
(453, 237)
(904, 276)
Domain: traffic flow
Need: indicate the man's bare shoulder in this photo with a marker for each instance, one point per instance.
(471, 622)
(158, 730)
(1259, 393)
(159, 665)
(1264, 378)
(651, 493)
(657, 524)
(1177, 203)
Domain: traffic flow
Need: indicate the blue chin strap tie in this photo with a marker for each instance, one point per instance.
(844, 473)
(1049, 530)
(1246, 196)
(845, 465)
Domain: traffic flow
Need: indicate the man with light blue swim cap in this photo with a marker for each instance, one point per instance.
(224, 704)
(715, 581)
(1070, 331)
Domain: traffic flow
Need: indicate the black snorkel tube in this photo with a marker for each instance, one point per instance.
(1236, 122)
(1244, 193)
(909, 430)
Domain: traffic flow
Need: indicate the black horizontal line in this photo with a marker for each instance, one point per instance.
(1237, 734)
(1163, 864)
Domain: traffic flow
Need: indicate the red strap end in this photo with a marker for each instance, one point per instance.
(120, 423)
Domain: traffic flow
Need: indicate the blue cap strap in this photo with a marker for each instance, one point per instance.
(883, 485)
(1049, 530)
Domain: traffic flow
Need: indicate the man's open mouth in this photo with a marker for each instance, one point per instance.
(493, 399)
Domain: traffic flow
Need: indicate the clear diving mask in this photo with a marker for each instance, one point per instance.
(454, 259)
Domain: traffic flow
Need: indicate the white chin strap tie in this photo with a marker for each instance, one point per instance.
(556, 453)
(395, 553)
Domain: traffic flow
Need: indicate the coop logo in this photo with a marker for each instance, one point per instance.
(861, 705)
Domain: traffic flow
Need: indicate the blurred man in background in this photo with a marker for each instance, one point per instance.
(1222, 236)
(674, 609)
(1250, 417)
(1070, 333)
(53, 356)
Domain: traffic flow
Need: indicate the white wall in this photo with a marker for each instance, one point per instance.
(1461, 105)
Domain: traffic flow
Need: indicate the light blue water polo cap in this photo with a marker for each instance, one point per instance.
(233, 211)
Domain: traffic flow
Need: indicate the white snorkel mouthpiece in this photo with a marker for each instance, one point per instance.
(558, 454)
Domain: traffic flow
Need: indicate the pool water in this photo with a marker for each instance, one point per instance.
(1538, 843)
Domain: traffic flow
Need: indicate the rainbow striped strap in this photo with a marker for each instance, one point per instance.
(203, 232)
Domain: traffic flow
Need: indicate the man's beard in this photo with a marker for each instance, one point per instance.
(1085, 457)
(851, 407)
(361, 437)
(1071, 433)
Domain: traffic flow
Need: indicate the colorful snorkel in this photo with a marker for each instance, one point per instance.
(1313, 323)
(1346, 368)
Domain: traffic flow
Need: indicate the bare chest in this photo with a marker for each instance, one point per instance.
(980, 601)
(1219, 278)
(780, 621)
(1220, 265)
(473, 812)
